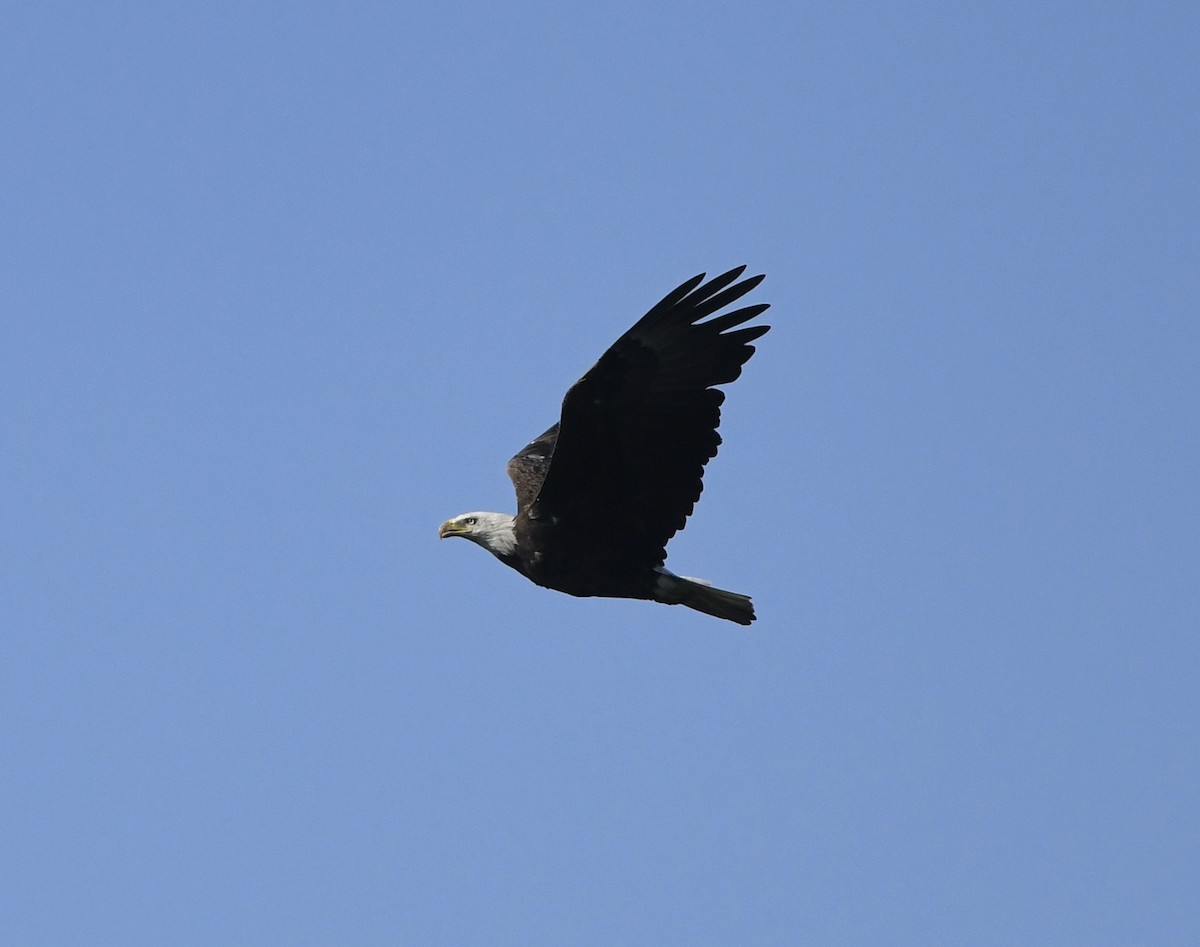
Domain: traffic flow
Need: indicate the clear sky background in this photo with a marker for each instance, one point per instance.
(285, 285)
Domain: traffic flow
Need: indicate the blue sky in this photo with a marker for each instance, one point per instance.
(284, 287)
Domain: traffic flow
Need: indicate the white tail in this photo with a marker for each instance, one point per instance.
(703, 597)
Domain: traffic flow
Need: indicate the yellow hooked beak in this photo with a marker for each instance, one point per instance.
(453, 528)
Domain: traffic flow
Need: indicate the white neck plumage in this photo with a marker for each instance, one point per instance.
(494, 532)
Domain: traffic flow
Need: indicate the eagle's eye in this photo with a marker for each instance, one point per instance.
(470, 521)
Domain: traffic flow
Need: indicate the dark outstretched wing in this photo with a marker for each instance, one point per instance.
(638, 428)
(528, 468)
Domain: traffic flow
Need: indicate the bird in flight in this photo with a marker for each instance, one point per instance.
(602, 491)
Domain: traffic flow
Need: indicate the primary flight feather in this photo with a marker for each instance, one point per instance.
(602, 491)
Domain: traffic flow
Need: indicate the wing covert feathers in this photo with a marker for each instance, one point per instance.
(637, 429)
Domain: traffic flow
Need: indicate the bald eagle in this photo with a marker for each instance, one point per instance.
(603, 490)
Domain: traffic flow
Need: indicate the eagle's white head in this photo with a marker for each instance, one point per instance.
(493, 531)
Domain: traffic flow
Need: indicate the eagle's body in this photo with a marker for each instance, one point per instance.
(603, 490)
